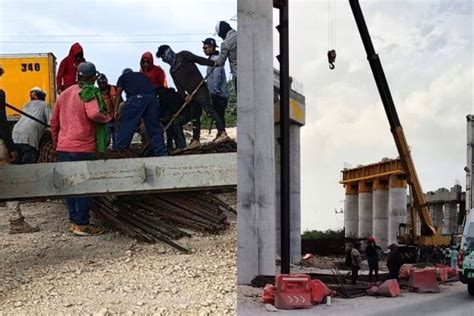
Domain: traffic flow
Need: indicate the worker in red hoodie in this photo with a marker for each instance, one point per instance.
(153, 72)
(68, 68)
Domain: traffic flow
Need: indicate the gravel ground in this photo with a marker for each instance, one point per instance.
(53, 272)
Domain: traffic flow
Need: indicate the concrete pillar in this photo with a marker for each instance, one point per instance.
(450, 218)
(256, 242)
(437, 214)
(397, 205)
(365, 209)
(380, 212)
(295, 193)
(351, 211)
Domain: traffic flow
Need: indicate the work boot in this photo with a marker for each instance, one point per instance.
(194, 144)
(176, 151)
(221, 137)
(85, 230)
(19, 226)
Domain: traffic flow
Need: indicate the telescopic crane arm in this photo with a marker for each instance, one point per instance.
(419, 201)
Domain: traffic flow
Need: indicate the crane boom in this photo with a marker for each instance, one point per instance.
(419, 201)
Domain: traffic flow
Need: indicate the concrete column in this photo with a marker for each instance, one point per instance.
(380, 209)
(437, 214)
(450, 217)
(365, 209)
(351, 210)
(397, 205)
(256, 159)
(295, 193)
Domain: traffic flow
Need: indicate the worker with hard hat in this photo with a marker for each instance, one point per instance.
(373, 252)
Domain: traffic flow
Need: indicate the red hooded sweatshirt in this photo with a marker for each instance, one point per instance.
(155, 73)
(67, 69)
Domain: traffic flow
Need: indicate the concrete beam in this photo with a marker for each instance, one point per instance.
(97, 177)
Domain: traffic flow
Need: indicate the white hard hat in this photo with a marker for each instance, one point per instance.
(36, 89)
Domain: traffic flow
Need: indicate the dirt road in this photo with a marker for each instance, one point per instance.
(54, 272)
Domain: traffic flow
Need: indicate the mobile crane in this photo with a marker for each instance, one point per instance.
(430, 235)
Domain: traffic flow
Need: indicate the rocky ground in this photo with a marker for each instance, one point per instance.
(54, 272)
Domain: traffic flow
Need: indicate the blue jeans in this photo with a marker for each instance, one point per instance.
(78, 207)
(146, 107)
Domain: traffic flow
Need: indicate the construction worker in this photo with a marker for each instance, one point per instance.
(27, 133)
(216, 82)
(372, 250)
(110, 94)
(67, 72)
(186, 77)
(153, 72)
(141, 103)
(8, 155)
(170, 102)
(228, 48)
(454, 256)
(356, 262)
(394, 261)
(77, 136)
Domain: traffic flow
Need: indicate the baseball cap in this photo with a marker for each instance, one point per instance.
(36, 89)
(210, 41)
(87, 69)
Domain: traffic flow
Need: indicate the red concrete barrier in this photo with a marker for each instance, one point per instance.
(268, 294)
(390, 288)
(442, 274)
(424, 280)
(319, 291)
(292, 291)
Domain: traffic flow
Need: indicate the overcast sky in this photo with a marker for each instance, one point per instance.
(427, 54)
(113, 33)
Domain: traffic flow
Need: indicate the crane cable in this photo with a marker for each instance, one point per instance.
(331, 33)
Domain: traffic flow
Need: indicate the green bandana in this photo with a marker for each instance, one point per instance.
(87, 94)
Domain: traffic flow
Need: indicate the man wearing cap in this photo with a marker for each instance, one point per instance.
(110, 94)
(228, 48)
(186, 77)
(356, 262)
(141, 103)
(216, 82)
(27, 133)
(9, 155)
(78, 132)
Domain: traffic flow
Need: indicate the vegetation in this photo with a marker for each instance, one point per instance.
(327, 234)
(230, 112)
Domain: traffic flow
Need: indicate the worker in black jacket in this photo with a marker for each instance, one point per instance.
(18, 224)
(186, 77)
(394, 261)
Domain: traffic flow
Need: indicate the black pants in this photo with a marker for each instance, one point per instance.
(354, 275)
(177, 128)
(373, 267)
(394, 272)
(220, 103)
(204, 100)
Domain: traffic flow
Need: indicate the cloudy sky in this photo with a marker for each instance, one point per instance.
(427, 54)
(113, 33)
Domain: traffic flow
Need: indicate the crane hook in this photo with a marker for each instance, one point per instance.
(331, 58)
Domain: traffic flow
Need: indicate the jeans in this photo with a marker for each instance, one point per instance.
(219, 103)
(135, 108)
(26, 154)
(79, 207)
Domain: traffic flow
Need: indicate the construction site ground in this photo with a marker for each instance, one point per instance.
(52, 271)
(453, 300)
